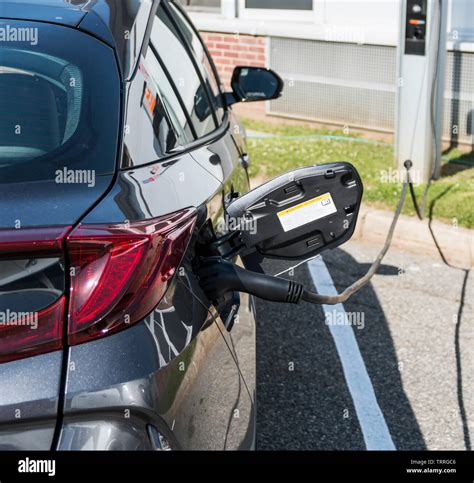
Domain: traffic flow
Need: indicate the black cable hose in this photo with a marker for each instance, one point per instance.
(356, 286)
(419, 213)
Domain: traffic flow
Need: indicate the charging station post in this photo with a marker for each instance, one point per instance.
(420, 72)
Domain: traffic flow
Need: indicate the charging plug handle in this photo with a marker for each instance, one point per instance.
(218, 276)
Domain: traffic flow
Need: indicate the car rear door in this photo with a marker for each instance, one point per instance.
(226, 159)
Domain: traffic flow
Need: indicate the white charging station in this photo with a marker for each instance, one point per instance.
(420, 75)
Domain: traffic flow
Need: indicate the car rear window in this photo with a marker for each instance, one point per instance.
(59, 103)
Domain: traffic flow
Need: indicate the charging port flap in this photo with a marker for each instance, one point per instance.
(299, 214)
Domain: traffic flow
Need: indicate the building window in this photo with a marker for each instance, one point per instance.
(280, 4)
(202, 5)
(281, 10)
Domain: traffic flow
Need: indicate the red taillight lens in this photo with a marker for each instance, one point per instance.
(32, 333)
(41, 241)
(39, 333)
(119, 273)
(101, 272)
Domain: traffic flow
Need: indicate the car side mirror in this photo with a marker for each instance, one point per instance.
(252, 84)
(298, 214)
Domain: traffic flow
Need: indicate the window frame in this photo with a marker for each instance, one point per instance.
(314, 15)
(202, 8)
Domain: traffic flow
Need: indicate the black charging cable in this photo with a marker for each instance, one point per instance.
(356, 286)
(218, 276)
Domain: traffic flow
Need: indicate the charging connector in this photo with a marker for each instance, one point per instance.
(218, 276)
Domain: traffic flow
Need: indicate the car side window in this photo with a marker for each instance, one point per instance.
(170, 102)
(171, 49)
(153, 128)
(196, 45)
(157, 124)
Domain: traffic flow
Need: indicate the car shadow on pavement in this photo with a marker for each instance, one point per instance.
(303, 402)
(459, 320)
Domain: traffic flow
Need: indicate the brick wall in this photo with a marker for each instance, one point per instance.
(230, 50)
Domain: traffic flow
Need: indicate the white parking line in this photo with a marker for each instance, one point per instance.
(372, 422)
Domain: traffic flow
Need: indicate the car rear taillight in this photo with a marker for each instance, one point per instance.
(117, 276)
(41, 241)
(25, 333)
(36, 333)
(119, 273)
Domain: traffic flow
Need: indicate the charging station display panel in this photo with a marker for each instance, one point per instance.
(415, 31)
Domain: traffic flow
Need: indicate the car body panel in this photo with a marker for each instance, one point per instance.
(173, 371)
(141, 193)
(29, 399)
(46, 203)
(52, 11)
(123, 25)
(155, 190)
(226, 160)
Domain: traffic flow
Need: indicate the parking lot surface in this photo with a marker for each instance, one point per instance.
(414, 331)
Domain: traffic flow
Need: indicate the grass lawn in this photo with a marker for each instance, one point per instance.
(451, 198)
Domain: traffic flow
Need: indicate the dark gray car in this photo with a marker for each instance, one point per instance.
(118, 156)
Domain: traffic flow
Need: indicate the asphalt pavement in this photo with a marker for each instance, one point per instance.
(414, 329)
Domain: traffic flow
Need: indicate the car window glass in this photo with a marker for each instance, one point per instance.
(176, 60)
(59, 105)
(201, 57)
(149, 132)
(170, 104)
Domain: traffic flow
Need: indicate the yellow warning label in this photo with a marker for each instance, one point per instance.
(307, 212)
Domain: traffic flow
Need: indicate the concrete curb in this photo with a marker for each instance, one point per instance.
(413, 235)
